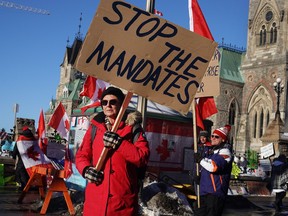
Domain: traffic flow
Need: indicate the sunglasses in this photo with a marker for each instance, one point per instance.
(215, 136)
(112, 102)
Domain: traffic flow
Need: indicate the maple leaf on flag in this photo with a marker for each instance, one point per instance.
(205, 106)
(32, 153)
(163, 151)
(93, 89)
(60, 121)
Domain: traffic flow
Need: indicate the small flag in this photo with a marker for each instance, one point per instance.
(3, 135)
(93, 89)
(42, 133)
(60, 121)
(159, 13)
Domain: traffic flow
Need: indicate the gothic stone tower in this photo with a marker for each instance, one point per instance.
(264, 62)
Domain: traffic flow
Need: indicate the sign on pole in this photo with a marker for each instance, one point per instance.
(145, 54)
(210, 85)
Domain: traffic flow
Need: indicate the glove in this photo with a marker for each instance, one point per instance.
(111, 140)
(92, 175)
(197, 179)
(197, 157)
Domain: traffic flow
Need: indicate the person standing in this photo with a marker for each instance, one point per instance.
(202, 149)
(203, 142)
(279, 178)
(113, 190)
(216, 166)
(21, 174)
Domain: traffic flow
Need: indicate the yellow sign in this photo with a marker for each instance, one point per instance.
(145, 54)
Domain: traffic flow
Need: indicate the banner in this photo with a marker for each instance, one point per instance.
(145, 54)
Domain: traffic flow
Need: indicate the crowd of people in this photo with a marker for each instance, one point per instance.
(114, 188)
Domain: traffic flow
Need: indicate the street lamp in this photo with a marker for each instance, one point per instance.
(278, 87)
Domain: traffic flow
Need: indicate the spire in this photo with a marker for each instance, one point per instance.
(67, 42)
(79, 35)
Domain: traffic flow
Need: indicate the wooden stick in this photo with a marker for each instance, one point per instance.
(101, 161)
(195, 149)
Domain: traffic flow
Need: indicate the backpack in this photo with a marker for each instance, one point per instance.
(137, 129)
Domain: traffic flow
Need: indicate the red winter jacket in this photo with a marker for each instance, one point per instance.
(118, 193)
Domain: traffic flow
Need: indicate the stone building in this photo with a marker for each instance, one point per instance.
(247, 97)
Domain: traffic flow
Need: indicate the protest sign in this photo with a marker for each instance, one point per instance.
(267, 150)
(145, 54)
(210, 85)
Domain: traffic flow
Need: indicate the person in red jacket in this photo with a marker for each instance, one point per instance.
(113, 190)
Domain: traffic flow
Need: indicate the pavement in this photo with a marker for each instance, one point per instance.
(236, 204)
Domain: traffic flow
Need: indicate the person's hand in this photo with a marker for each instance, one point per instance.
(197, 157)
(111, 140)
(92, 175)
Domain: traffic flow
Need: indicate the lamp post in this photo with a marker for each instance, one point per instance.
(278, 87)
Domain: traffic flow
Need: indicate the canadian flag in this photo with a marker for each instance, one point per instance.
(205, 106)
(159, 13)
(167, 141)
(42, 133)
(31, 154)
(60, 121)
(93, 89)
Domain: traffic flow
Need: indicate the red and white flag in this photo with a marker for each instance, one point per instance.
(60, 121)
(43, 141)
(93, 89)
(3, 135)
(67, 163)
(205, 106)
(159, 13)
(31, 154)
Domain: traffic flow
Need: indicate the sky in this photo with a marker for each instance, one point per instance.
(32, 45)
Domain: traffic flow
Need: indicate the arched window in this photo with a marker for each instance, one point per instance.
(261, 123)
(263, 36)
(267, 118)
(232, 113)
(255, 126)
(273, 33)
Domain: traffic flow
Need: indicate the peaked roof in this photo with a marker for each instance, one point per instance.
(72, 52)
(230, 63)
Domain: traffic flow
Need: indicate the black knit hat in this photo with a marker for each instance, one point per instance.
(113, 91)
(204, 133)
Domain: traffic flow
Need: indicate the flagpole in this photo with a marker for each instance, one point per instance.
(195, 148)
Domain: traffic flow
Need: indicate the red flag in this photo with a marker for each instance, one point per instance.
(68, 163)
(198, 23)
(95, 104)
(93, 89)
(60, 121)
(204, 108)
(31, 154)
(42, 133)
(206, 105)
(159, 13)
